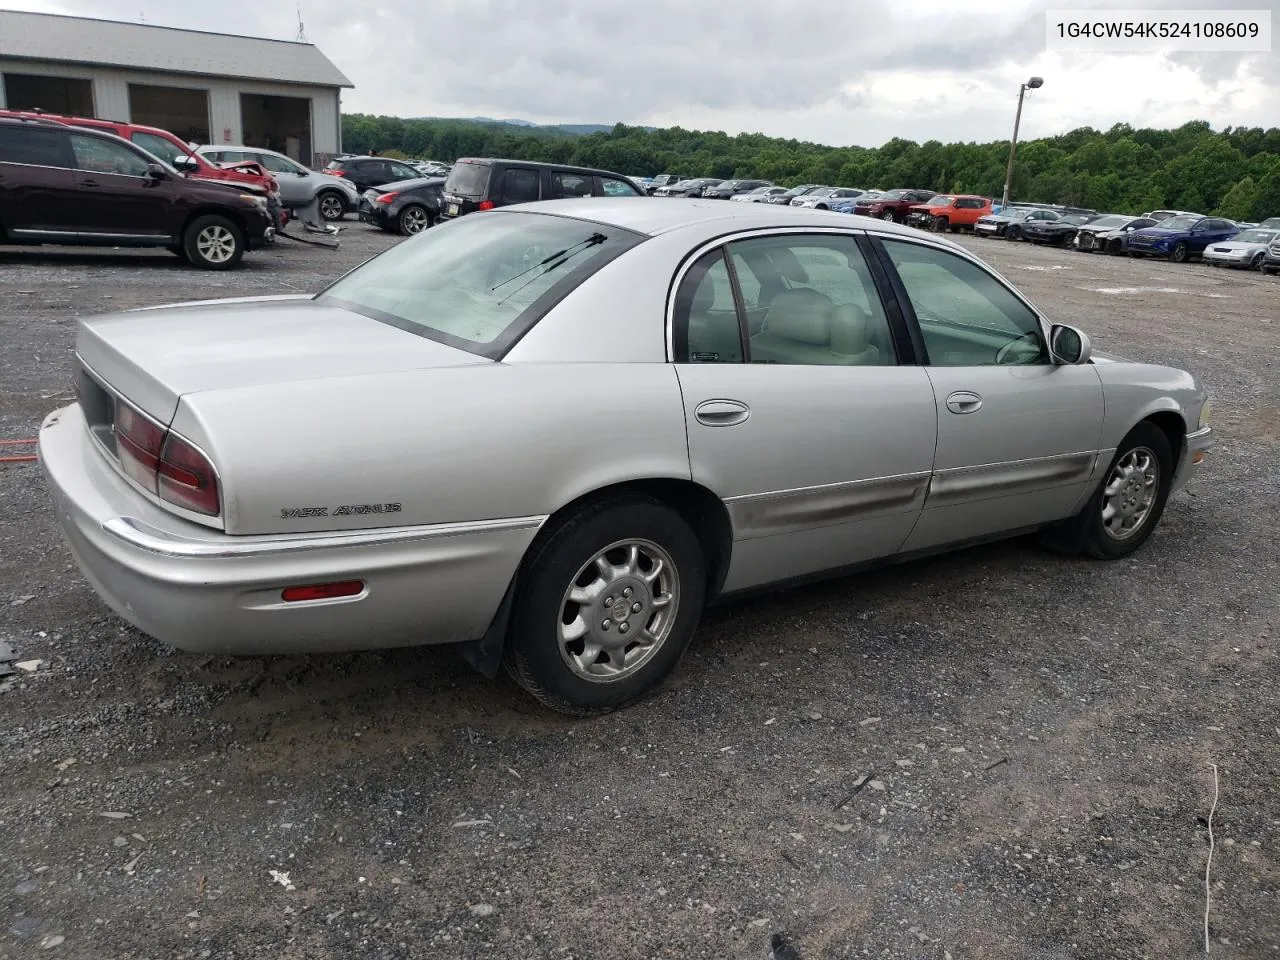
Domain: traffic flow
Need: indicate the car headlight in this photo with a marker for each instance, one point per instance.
(254, 199)
(1204, 414)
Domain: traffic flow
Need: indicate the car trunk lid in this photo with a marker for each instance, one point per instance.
(154, 356)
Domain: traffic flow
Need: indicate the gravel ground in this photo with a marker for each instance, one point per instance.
(1035, 732)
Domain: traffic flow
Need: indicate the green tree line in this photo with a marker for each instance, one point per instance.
(1233, 173)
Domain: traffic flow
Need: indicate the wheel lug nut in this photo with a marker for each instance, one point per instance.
(635, 608)
(608, 601)
(623, 628)
(626, 592)
(606, 625)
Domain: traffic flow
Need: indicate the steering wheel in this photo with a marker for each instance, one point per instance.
(1021, 349)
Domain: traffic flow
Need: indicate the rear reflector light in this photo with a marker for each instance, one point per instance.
(322, 591)
(386, 197)
(164, 463)
(485, 205)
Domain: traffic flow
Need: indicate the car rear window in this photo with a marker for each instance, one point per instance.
(468, 179)
(479, 283)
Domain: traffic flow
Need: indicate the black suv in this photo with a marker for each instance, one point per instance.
(731, 188)
(482, 184)
(83, 187)
(366, 172)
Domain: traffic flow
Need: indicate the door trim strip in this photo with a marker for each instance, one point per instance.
(787, 511)
(1009, 478)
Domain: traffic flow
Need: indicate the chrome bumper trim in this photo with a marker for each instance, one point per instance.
(143, 536)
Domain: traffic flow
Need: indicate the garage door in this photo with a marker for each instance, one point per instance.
(69, 96)
(277, 123)
(179, 110)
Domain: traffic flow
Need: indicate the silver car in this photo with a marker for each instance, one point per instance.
(1246, 249)
(299, 186)
(553, 433)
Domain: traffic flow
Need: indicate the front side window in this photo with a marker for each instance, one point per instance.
(166, 150)
(402, 171)
(613, 187)
(94, 155)
(278, 164)
(475, 283)
(967, 317)
(570, 185)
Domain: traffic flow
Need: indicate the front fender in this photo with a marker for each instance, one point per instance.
(1133, 392)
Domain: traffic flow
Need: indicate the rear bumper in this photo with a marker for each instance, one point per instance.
(199, 589)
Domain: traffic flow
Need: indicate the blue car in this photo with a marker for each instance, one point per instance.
(1179, 238)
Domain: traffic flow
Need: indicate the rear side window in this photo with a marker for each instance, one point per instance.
(480, 282)
(519, 185)
(40, 148)
(468, 179)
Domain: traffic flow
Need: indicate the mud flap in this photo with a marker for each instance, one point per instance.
(485, 654)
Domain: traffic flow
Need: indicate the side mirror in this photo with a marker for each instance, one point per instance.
(185, 163)
(156, 172)
(1069, 345)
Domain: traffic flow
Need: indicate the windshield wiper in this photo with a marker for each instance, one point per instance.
(564, 256)
(593, 240)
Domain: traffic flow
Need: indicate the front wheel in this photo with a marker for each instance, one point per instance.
(606, 603)
(332, 205)
(1124, 510)
(1256, 262)
(213, 243)
(1013, 233)
(1179, 253)
(940, 224)
(887, 215)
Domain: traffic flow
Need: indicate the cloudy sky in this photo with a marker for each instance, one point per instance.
(833, 71)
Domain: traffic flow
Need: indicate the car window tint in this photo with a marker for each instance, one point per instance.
(812, 302)
(36, 147)
(705, 321)
(613, 187)
(166, 150)
(519, 185)
(570, 185)
(277, 164)
(967, 317)
(402, 171)
(103, 156)
(233, 156)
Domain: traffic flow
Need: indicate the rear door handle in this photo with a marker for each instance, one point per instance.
(721, 413)
(88, 182)
(964, 401)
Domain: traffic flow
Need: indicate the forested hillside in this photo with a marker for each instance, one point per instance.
(1233, 173)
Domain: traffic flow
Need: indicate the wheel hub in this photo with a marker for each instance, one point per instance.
(1130, 493)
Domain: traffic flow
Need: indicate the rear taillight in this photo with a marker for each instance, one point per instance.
(164, 463)
(485, 205)
(386, 197)
(335, 172)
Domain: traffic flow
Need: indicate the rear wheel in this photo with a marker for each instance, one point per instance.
(607, 601)
(413, 219)
(213, 242)
(333, 206)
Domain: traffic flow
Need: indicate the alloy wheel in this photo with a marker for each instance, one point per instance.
(1130, 493)
(216, 243)
(619, 610)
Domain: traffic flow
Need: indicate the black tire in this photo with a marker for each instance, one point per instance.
(413, 219)
(332, 204)
(1013, 233)
(941, 224)
(889, 216)
(556, 561)
(1256, 262)
(1086, 533)
(213, 242)
(1179, 253)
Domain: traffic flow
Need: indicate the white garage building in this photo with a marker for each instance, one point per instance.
(204, 87)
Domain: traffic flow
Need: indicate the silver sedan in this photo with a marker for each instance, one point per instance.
(552, 434)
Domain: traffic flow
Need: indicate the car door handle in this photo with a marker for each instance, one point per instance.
(964, 401)
(87, 182)
(721, 413)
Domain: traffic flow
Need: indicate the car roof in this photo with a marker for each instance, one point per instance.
(539, 164)
(654, 216)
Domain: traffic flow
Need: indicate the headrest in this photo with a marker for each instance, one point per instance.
(849, 324)
(801, 315)
(789, 265)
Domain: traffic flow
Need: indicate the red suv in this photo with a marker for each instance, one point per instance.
(163, 144)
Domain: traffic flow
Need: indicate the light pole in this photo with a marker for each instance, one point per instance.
(1032, 84)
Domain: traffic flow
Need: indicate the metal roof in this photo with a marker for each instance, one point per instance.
(142, 46)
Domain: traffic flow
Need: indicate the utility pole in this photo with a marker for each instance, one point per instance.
(1032, 84)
